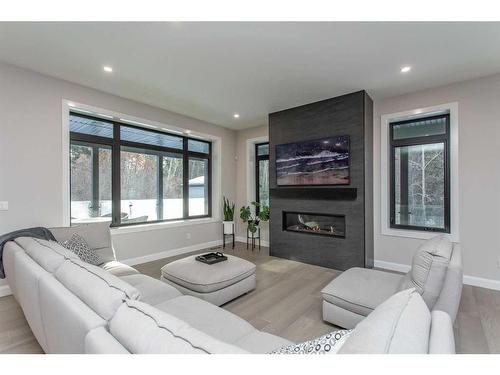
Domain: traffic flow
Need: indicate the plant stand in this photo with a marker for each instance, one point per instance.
(251, 237)
(224, 234)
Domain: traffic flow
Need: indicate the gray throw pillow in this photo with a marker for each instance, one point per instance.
(326, 344)
(80, 247)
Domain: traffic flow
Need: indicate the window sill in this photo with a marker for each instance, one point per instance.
(165, 225)
(416, 234)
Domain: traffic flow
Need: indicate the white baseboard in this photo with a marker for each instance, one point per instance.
(244, 240)
(5, 291)
(481, 282)
(468, 280)
(170, 253)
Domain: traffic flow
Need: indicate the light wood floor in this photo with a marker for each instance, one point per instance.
(287, 302)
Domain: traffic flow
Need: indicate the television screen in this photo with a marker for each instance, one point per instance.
(318, 162)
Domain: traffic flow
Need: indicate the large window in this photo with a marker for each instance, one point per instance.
(127, 174)
(262, 173)
(420, 174)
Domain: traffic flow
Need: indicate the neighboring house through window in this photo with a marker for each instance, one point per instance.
(420, 173)
(128, 174)
(262, 173)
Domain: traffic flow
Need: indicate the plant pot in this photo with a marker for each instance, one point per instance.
(228, 227)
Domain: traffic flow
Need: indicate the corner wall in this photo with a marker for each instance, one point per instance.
(479, 176)
(31, 158)
(245, 176)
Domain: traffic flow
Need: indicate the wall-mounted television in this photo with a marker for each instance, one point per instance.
(318, 162)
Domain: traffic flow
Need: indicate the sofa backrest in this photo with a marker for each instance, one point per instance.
(48, 254)
(100, 290)
(58, 319)
(97, 235)
(449, 298)
(401, 324)
(429, 267)
(143, 329)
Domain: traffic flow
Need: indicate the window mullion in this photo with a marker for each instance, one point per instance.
(185, 178)
(160, 187)
(404, 189)
(95, 181)
(115, 176)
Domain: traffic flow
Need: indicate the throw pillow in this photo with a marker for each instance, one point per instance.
(327, 344)
(80, 247)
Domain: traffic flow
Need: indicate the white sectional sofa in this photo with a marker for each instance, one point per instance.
(75, 307)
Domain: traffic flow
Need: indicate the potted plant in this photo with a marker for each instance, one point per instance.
(260, 213)
(228, 222)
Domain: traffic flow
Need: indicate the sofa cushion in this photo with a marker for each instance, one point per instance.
(48, 254)
(361, 290)
(429, 267)
(399, 325)
(118, 269)
(100, 290)
(143, 329)
(208, 318)
(152, 291)
(97, 236)
(77, 244)
(205, 278)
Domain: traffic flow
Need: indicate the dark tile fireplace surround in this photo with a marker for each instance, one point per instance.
(331, 226)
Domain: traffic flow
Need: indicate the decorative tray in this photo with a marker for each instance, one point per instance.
(211, 258)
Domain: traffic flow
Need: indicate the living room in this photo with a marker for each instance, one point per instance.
(249, 187)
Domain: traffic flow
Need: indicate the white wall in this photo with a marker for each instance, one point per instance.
(245, 174)
(479, 173)
(31, 176)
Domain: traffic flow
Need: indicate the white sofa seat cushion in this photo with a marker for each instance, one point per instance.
(429, 267)
(208, 318)
(221, 324)
(204, 278)
(361, 290)
(152, 291)
(399, 325)
(97, 236)
(100, 290)
(48, 254)
(118, 269)
(143, 329)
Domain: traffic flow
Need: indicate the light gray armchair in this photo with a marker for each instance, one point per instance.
(436, 274)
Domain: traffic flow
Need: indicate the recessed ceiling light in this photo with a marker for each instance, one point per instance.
(107, 69)
(188, 132)
(405, 69)
(236, 115)
(71, 104)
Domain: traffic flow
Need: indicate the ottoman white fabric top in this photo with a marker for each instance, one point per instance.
(205, 278)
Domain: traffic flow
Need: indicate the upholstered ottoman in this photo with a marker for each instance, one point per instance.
(216, 283)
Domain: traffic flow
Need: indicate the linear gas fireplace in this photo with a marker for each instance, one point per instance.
(314, 223)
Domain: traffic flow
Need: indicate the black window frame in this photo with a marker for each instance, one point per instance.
(415, 141)
(259, 158)
(116, 145)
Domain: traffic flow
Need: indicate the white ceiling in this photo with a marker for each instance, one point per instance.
(212, 70)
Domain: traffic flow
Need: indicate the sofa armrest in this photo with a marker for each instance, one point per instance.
(441, 338)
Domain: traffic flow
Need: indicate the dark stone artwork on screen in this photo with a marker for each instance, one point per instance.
(317, 162)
